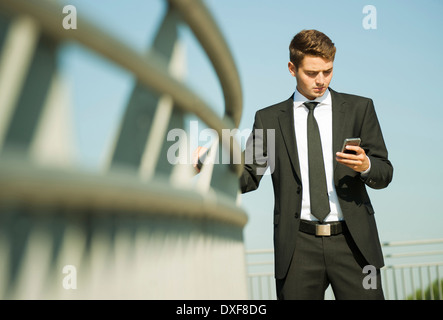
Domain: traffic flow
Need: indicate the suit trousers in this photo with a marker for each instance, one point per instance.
(318, 262)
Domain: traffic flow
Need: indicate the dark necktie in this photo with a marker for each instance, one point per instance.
(317, 177)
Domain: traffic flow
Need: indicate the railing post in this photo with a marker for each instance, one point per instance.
(145, 106)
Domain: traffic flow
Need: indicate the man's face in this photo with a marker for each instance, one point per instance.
(313, 76)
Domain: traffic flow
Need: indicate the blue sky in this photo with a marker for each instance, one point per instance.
(398, 65)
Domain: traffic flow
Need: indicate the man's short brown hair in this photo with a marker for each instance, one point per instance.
(310, 42)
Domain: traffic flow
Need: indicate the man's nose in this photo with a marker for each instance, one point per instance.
(320, 79)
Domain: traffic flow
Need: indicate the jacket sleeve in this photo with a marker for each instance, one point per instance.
(381, 172)
(255, 157)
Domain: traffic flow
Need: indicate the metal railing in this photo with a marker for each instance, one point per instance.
(151, 68)
(414, 270)
(142, 218)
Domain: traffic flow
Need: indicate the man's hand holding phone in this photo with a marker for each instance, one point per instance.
(353, 156)
(198, 157)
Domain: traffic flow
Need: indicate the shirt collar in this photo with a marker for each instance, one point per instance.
(299, 99)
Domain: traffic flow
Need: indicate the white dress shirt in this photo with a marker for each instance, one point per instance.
(323, 116)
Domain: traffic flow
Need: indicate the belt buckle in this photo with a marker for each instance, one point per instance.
(323, 230)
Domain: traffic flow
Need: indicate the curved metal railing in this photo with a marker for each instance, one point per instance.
(199, 20)
(147, 69)
(68, 217)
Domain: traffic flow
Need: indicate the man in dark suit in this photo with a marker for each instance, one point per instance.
(332, 244)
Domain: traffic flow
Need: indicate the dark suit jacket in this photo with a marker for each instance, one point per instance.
(352, 116)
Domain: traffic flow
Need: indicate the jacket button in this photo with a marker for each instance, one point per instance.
(298, 189)
(296, 215)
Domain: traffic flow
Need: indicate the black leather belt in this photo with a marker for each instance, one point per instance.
(322, 229)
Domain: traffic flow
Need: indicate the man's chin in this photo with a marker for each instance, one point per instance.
(318, 93)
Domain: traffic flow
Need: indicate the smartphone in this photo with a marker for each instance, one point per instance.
(352, 142)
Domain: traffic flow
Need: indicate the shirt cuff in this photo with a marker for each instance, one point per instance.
(365, 173)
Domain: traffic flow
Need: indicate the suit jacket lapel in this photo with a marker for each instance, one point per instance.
(339, 114)
(286, 120)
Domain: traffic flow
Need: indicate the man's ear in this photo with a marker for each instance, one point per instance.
(291, 68)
